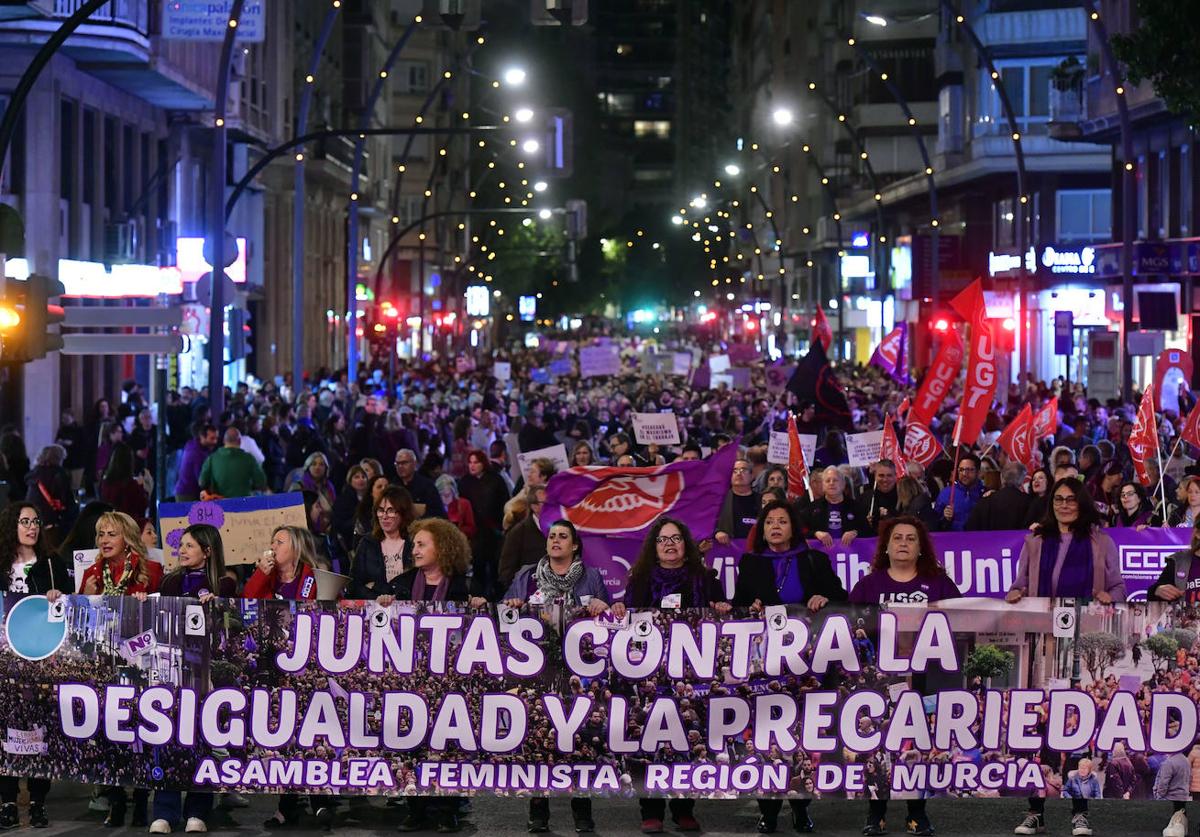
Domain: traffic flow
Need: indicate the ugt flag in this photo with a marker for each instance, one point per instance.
(979, 388)
(1017, 439)
(1143, 441)
(612, 508)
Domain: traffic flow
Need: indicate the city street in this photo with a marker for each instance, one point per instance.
(968, 817)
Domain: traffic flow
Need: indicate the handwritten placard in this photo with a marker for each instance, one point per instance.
(556, 454)
(863, 448)
(595, 361)
(246, 523)
(780, 446)
(502, 370)
(656, 429)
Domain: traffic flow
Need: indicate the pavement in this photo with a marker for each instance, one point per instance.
(69, 815)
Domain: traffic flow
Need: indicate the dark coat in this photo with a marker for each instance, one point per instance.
(756, 579)
(403, 584)
(637, 593)
(368, 575)
(49, 572)
(1000, 511)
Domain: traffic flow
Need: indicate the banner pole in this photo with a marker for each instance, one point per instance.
(1162, 483)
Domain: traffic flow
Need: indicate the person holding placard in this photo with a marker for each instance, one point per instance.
(27, 566)
(781, 569)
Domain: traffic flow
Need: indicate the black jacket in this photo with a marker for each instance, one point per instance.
(1000, 511)
(756, 579)
(424, 491)
(1176, 568)
(49, 572)
(637, 593)
(368, 574)
(854, 519)
(402, 587)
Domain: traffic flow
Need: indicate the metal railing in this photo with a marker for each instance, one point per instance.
(132, 13)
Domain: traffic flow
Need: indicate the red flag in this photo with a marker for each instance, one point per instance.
(821, 329)
(938, 380)
(920, 444)
(1016, 441)
(1045, 422)
(1143, 441)
(902, 410)
(1191, 427)
(889, 448)
(980, 385)
(797, 467)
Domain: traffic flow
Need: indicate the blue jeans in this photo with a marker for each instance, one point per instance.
(170, 805)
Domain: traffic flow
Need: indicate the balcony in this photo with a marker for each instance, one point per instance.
(120, 45)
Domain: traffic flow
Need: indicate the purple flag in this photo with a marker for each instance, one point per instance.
(612, 508)
(891, 355)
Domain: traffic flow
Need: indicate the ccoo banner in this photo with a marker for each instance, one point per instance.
(420, 698)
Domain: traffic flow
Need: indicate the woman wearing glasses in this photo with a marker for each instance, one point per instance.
(670, 573)
(1068, 555)
(387, 551)
(27, 566)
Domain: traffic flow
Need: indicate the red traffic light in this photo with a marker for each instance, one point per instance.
(941, 324)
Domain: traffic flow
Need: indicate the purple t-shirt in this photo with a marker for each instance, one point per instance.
(1191, 595)
(877, 587)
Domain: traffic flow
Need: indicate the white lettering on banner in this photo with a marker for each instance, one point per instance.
(982, 384)
(208, 20)
(656, 429)
(1144, 561)
(863, 448)
(26, 748)
(779, 448)
(556, 454)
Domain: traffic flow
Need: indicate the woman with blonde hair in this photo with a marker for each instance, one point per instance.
(285, 570)
(123, 567)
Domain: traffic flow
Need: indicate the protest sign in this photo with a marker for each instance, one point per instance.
(595, 361)
(658, 364)
(561, 367)
(246, 523)
(778, 374)
(863, 448)
(656, 428)
(682, 363)
(778, 447)
(434, 698)
(743, 353)
(556, 454)
(502, 370)
(718, 363)
(722, 379)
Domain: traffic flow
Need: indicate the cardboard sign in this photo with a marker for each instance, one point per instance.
(502, 370)
(246, 523)
(81, 560)
(778, 376)
(722, 379)
(779, 448)
(744, 353)
(682, 363)
(863, 448)
(740, 376)
(718, 364)
(556, 454)
(656, 429)
(595, 361)
(561, 367)
(137, 645)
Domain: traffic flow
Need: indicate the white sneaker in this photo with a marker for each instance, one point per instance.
(1080, 826)
(160, 827)
(195, 825)
(1178, 826)
(1032, 824)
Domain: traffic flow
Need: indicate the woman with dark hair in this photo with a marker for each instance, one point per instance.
(670, 573)
(347, 502)
(560, 576)
(1133, 510)
(119, 485)
(781, 569)
(364, 515)
(484, 488)
(1180, 578)
(27, 566)
(200, 574)
(1103, 486)
(48, 488)
(315, 478)
(1068, 555)
(905, 568)
(387, 552)
(111, 433)
(582, 454)
(1039, 490)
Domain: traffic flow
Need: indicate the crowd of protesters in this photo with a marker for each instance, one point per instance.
(416, 494)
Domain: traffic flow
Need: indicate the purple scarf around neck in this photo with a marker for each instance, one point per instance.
(664, 582)
(439, 592)
(1075, 577)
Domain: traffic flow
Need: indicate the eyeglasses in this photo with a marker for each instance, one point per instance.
(1128, 495)
(1066, 500)
(400, 462)
(30, 522)
(665, 539)
(387, 512)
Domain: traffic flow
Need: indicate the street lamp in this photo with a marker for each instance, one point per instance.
(523, 114)
(676, 220)
(540, 186)
(514, 76)
(783, 117)
(531, 146)
(733, 170)
(545, 214)
(875, 20)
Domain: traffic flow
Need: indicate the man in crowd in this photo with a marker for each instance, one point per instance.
(952, 514)
(204, 439)
(231, 471)
(524, 543)
(424, 492)
(881, 501)
(741, 506)
(1007, 508)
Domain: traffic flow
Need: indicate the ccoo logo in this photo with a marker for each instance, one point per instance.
(623, 501)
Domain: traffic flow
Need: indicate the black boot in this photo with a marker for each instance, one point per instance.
(8, 816)
(140, 797)
(116, 814)
(37, 815)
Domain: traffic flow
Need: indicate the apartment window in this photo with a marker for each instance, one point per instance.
(1185, 190)
(412, 76)
(110, 164)
(652, 129)
(1004, 235)
(1083, 215)
(1027, 82)
(616, 103)
(409, 209)
(127, 171)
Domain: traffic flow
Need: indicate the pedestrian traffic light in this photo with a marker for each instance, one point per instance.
(30, 316)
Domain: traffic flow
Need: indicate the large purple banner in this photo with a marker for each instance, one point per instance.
(980, 563)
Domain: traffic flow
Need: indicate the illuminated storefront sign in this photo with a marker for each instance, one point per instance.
(96, 281)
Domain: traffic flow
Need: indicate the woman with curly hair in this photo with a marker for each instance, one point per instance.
(123, 567)
(27, 566)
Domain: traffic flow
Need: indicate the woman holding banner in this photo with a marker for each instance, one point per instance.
(1067, 555)
(200, 574)
(670, 573)
(386, 552)
(781, 569)
(559, 576)
(123, 567)
(27, 566)
(442, 557)
(905, 569)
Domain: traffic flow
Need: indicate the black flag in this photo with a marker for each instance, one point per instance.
(814, 381)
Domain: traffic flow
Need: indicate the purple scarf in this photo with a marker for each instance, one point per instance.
(439, 592)
(664, 582)
(1075, 577)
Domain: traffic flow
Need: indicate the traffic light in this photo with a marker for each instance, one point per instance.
(27, 337)
(558, 139)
